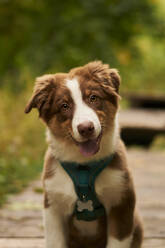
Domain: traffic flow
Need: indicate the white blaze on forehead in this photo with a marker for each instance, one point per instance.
(82, 111)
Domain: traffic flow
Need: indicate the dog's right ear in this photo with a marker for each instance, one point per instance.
(42, 93)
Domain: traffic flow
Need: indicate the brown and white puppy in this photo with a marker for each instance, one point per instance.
(80, 111)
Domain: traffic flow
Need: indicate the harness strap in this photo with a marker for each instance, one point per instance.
(88, 207)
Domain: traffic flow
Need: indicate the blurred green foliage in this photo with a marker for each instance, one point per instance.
(21, 145)
(38, 37)
(49, 36)
(158, 143)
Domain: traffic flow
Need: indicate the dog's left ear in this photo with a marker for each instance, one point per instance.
(111, 85)
(115, 79)
(103, 74)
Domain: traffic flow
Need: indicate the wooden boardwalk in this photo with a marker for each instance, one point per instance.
(21, 220)
(141, 126)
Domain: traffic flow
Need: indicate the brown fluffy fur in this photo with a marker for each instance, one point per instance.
(48, 97)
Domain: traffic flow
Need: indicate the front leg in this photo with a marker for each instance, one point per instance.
(55, 233)
(59, 202)
(121, 223)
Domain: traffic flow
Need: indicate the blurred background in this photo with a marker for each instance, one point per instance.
(38, 37)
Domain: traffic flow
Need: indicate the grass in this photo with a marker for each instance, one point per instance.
(22, 145)
(15, 175)
(158, 143)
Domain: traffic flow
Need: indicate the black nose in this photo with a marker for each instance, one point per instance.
(86, 129)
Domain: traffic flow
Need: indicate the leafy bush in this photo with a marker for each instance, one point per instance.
(49, 36)
(21, 145)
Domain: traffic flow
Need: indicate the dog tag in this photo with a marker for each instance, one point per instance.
(85, 206)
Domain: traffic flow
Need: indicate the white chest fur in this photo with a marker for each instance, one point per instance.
(110, 186)
(60, 190)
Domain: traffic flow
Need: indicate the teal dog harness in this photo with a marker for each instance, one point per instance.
(88, 207)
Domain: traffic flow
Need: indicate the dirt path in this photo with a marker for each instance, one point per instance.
(21, 219)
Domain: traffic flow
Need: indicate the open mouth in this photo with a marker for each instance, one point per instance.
(90, 147)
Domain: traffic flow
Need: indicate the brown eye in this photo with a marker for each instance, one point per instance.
(65, 106)
(93, 98)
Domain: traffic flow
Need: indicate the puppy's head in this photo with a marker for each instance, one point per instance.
(80, 106)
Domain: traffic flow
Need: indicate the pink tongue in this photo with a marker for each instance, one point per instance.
(89, 147)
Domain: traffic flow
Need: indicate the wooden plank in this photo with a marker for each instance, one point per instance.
(154, 243)
(139, 118)
(39, 243)
(145, 100)
(141, 126)
(21, 243)
(149, 177)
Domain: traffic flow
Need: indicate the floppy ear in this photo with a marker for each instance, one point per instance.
(115, 78)
(111, 85)
(108, 78)
(42, 94)
(103, 74)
